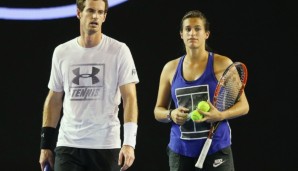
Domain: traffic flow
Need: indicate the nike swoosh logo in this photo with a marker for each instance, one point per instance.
(217, 164)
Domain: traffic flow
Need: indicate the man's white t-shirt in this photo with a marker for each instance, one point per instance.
(90, 79)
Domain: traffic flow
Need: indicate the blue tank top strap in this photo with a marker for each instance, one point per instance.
(179, 68)
(209, 67)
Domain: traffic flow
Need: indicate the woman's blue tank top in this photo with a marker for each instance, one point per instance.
(189, 138)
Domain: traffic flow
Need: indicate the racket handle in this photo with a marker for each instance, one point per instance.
(203, 154)
(47, 167)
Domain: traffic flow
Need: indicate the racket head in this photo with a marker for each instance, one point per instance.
(230, 86)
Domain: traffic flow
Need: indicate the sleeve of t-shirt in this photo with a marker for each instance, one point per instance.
(127, 69)
(56, 80)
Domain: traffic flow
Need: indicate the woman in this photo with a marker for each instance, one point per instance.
(186, 81)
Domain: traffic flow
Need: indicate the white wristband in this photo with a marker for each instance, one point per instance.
(130, 134)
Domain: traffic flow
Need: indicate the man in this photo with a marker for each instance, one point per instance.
(89, 75)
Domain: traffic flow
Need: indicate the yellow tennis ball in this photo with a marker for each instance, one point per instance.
(204, 106)
(195, 115)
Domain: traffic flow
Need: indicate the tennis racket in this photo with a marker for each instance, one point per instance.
(227, 93)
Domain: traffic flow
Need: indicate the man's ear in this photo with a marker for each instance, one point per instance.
(78, 14)
(105, 17)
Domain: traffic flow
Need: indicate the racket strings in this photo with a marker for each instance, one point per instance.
(232, 84)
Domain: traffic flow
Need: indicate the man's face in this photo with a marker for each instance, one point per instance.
(92, 17)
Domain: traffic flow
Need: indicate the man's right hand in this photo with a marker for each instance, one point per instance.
(46, 155)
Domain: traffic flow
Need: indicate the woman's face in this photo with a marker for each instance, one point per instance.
(193, 33)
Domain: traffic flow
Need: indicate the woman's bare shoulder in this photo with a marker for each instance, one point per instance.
(172, 64)
(169, 69)
(221, 61)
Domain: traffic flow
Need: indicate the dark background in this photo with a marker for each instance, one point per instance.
(262, 34)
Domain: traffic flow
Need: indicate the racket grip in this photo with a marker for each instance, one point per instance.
(203, 154)
(47, 167)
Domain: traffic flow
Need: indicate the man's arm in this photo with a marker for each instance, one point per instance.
(130, 108)
(52, 109)
(51, 115)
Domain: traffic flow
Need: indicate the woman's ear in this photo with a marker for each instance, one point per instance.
(207, 34)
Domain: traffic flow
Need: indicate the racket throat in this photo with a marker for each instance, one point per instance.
(211, 132)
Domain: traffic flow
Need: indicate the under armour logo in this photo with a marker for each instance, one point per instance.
(76, 72)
